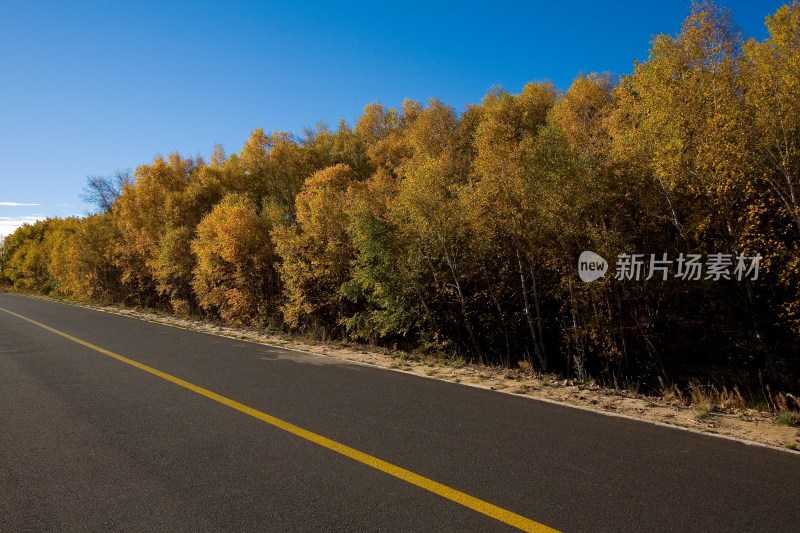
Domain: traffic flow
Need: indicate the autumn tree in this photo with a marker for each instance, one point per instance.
(235, 275)
(503, 204)
(144, 211)
(773, 101)
(316, 252)
(92, 267)
(26, 257)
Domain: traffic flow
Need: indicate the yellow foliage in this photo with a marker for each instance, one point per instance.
(316, 252)
(234, 274)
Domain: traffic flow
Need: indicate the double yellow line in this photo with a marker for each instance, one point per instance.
(461, 498)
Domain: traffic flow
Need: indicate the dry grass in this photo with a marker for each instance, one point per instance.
(703, 406)
(706, 398)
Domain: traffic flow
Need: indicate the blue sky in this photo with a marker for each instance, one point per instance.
(94, 87)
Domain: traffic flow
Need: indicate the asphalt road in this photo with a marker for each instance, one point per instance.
(89, 442)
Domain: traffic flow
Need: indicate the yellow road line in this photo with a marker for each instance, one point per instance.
(471, 502)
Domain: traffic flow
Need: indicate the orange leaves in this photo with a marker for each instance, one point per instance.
(582, 112)
(316, 253)
(144, 211)
(234, 273)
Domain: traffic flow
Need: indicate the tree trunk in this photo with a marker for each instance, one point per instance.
(499, 312)
(537, 308)
(528, 315)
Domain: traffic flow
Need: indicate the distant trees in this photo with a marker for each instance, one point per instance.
(458, 234)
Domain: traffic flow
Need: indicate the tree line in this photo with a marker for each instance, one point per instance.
(458, 233)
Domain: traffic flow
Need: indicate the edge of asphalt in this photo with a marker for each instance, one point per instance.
(111, 310)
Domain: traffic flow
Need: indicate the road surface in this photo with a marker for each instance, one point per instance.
(113, 423)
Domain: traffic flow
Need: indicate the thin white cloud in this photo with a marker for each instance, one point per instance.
(9, 225)
(16, 204)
